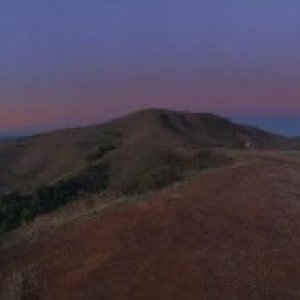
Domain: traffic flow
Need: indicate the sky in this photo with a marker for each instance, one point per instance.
(75, 62)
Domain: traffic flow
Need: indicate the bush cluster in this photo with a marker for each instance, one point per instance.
(16, 208)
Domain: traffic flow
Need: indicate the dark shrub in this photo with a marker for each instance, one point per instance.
(16, 209)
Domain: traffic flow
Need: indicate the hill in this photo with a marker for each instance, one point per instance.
(142, 151)
(227, 233)
(42, 159)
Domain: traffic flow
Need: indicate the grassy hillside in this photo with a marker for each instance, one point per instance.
(43, 159)
(228, 233)
(142, 151)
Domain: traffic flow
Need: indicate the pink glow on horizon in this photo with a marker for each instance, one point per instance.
(68, 63)
(84, 105)
(86, 97)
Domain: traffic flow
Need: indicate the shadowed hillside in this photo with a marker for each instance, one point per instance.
(42, 159)
(134, 154)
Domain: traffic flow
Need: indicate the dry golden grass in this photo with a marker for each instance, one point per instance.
(227, 233)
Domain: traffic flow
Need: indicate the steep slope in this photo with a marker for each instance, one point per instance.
(142, 151)
(230, 233)
(43, 159)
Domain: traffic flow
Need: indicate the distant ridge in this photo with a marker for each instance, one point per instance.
(45, 158)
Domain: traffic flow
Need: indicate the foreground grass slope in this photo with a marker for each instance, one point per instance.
(229, 233)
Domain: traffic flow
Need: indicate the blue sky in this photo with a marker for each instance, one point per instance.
(65, 63)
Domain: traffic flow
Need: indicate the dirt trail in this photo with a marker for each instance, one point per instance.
(231, 233)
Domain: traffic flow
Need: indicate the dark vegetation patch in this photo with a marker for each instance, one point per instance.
(169, 167)
(218, 127)
(134, 175)
(167, 122)
(184, 122)
(109, 142)
(102, 151)
(16, 209)
(153, 178)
